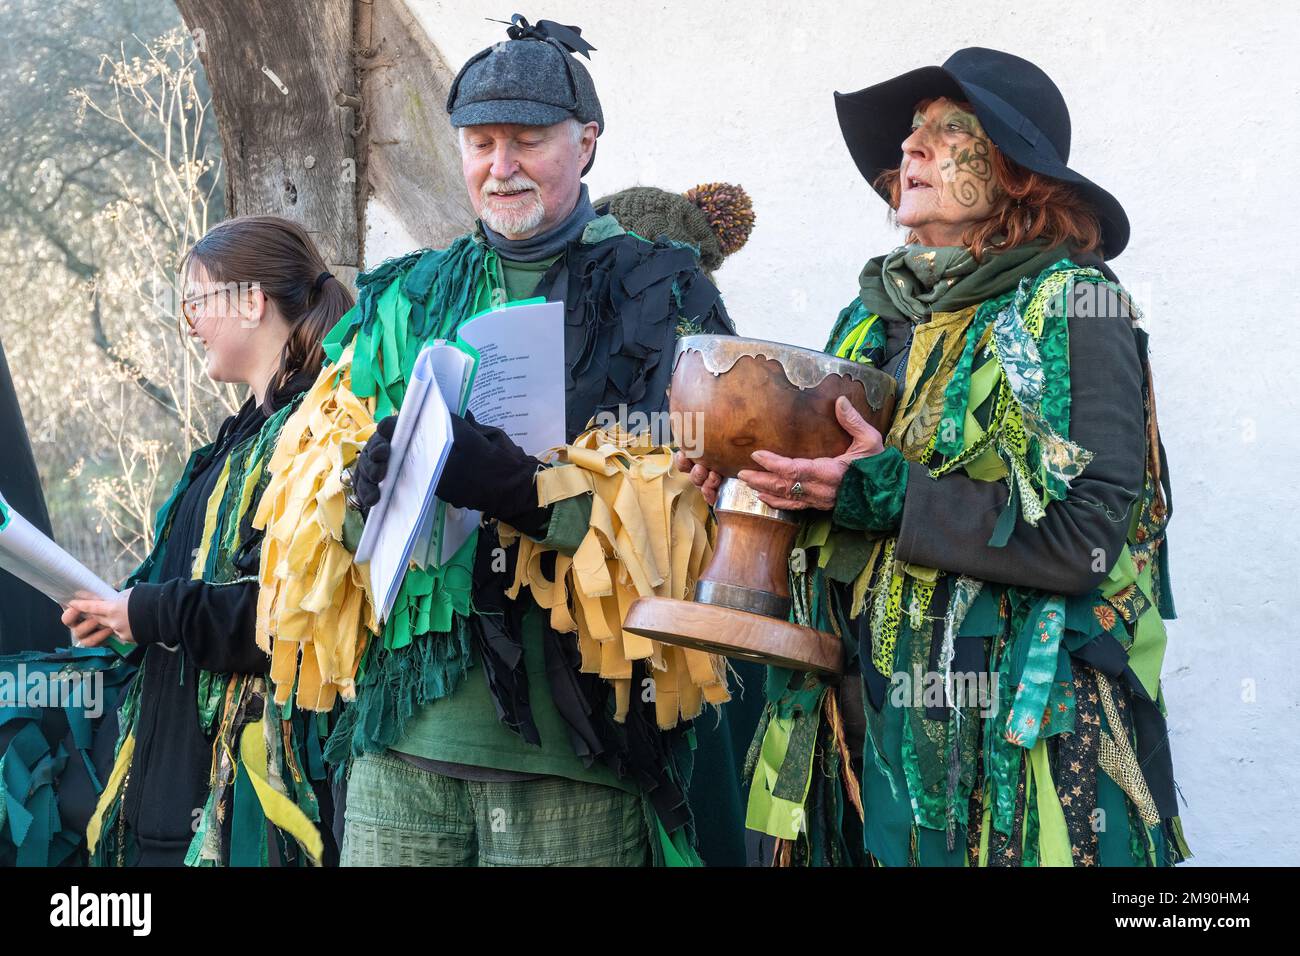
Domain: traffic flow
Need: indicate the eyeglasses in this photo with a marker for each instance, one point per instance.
(190, 306)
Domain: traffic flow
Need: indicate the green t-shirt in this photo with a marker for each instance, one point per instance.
(521, 278)
(464, 728)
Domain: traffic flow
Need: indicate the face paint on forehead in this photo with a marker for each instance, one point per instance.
(952, 115)
(958, 115)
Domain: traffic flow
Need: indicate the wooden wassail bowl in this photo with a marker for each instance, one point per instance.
(731, 397)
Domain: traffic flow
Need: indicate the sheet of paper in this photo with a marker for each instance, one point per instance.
(407, 419)
(452, 366)
(421, 443)
(457, 525)
(507, 367)
(519, 385)
(444, 528)
(447, 368)
(457, 370)
(32, 557)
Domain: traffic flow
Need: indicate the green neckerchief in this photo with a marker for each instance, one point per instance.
(914, 281)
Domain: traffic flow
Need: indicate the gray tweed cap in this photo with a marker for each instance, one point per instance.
(531, 80)
(523, 81)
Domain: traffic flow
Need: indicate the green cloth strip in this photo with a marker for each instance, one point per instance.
(871, 495)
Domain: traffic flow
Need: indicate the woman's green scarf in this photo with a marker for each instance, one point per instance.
(914, 281)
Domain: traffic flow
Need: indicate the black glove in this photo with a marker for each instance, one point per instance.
(372, 465)
(486, 471)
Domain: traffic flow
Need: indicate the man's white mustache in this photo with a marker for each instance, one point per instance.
(514, 184)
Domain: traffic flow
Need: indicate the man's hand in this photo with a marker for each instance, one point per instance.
(486, 471)
(818, 479)
(93, 621)
(707, 481)
(372, 465)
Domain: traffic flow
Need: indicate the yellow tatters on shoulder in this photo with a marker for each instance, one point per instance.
(314, 612)
(650, 534)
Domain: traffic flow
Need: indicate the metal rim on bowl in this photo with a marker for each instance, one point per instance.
(804, 368)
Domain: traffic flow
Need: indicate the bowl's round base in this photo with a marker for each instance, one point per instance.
(734, 633)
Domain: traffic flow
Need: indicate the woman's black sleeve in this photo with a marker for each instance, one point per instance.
(216, 623)
(948, 521)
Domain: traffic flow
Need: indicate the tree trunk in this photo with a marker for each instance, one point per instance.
(275, 70)
(412, 157)
(321, 106)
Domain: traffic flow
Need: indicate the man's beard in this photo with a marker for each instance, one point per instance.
(514, 222)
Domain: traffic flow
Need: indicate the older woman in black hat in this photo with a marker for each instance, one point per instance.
(995, 563)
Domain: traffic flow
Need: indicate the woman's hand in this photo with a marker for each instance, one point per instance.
(818, 478)
(93, 621)
(707, 481)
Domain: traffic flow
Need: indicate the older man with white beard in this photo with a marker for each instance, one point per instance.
(474, 738)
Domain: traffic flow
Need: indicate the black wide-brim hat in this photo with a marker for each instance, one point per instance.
(1018, 105)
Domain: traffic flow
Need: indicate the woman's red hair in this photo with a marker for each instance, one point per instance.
(1030, 206)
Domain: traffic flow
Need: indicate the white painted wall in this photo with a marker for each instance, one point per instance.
(1187, 113)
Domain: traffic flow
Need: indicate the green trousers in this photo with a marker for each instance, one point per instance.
(402, 815)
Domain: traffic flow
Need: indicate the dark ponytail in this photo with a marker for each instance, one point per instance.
(281, 258)
(327, 303)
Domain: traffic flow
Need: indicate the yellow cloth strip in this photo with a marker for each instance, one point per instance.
(1053, 834)
(649, 535)
(914, 425)
(111, 790)
(279, 809)
(314, 615)
(210, 521)
(245, 499)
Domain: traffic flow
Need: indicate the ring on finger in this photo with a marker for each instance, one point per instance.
(796, 490)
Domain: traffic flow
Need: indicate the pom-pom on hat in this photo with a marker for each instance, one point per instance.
(716, 218)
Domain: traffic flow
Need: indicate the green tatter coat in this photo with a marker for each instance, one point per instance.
(1010, 540)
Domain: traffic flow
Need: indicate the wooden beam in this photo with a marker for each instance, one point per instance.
(412, 159)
